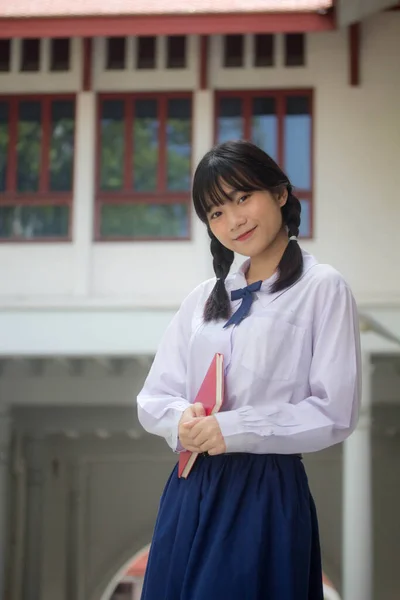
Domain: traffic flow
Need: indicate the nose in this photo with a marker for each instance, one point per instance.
(235, 219)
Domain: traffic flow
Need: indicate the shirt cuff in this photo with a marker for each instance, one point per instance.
(229, 422)
(173, 439)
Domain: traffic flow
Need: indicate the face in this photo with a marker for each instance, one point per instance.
(250, 223)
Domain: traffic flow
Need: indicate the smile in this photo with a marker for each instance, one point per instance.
(245, 236)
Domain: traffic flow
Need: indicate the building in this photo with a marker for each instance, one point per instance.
(105, 109)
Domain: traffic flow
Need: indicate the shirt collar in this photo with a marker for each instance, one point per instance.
(265, 296)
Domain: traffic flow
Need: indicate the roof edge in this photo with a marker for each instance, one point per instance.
(162, 24)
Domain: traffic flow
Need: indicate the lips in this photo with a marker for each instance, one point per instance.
(245, 236)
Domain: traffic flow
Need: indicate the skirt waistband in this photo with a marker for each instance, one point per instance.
(206, 455)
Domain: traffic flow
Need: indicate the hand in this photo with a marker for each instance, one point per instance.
(205, 434)
(193, 412)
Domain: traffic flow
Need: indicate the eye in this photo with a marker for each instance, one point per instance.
(215, 214)
(243, 198)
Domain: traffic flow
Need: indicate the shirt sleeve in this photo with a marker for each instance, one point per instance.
(329, 414)
(162, 400)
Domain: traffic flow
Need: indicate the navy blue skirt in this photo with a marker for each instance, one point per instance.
(240, 527)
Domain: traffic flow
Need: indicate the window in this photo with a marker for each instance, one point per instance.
(176, 52)
(30, 55)
(60, 54)
(146, 52)
(36, 167)
(295, 53)
(116, 47)
(144, 167)
(264, 50)
(233, 51)
(5, 55)
(281, 124)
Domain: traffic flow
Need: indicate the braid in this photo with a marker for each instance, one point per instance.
(290, 267)
(217, 305)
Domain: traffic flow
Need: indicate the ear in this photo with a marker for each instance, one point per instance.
(282, 199)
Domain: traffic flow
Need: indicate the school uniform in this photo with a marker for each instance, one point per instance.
(243, 525)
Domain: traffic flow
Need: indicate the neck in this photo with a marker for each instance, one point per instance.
(264, 265)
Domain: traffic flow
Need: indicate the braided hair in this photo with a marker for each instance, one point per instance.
(243, 166)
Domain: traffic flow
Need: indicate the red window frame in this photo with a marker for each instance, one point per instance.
(280, 95)
(44, 196)
(128, 195)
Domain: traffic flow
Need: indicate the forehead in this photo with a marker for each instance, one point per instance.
(219, 193)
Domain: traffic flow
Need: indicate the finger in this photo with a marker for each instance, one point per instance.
(215, 451)
(200, 439)
(191, 448)
(199, 409)
(188, 425)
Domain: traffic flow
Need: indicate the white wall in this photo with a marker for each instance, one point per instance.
(357, 153)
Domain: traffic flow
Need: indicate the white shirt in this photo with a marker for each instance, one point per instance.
(292, 367)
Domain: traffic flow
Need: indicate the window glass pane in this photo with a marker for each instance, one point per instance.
(30, 59)
(112, 145)
(234, 51)
(4, 134)
(264, 125)
(116, 53)
(179, 144)
(298, 141)
(29, 146)
(60, 54)
(146, 52)
(264, 50)
(176, 52)
(295, 55)
(62, 145)
(144, 221)
(5, 55)
(305, 225)
(30, 222)
(145, 145)
(230, 120)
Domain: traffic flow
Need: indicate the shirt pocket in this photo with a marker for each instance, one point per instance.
(272, 348)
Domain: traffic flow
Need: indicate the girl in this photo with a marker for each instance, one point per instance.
(243, 525)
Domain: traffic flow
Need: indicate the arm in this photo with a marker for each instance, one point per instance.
(330, 413)
(162, 401)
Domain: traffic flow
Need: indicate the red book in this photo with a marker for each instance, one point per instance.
(211, 396)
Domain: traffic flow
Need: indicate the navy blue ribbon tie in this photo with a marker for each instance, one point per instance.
(246, 294)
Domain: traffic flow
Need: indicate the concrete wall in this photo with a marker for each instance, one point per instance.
(92, 504)
(91, 479)
(357, 151)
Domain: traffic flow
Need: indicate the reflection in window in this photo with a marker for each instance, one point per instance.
(178, 144)
(151, 168)
(145, 145)
(135, 221)
(62, 145)
(305, 225)
(264, 126)
(230, 121)
(298, 141)
(29, 146)
(30, 222)
(4, 137)
(112, 145)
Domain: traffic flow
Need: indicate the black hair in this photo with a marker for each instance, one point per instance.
(244, 167)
